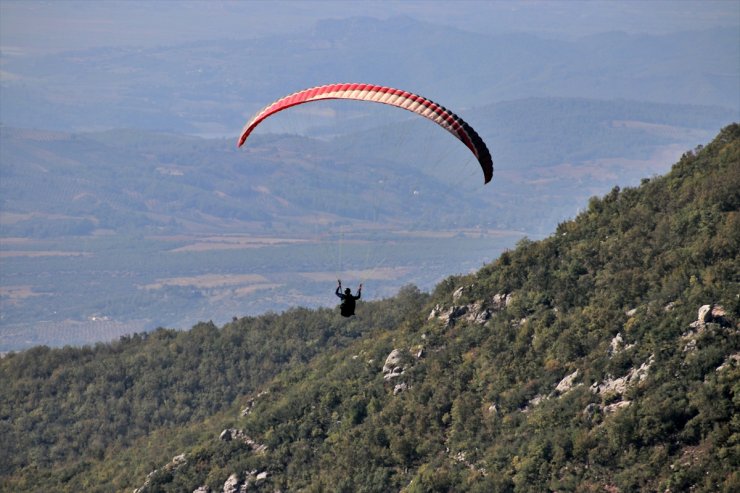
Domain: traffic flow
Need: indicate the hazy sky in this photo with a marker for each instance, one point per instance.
(27, 25)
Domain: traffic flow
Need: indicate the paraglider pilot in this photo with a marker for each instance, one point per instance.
(348, 299)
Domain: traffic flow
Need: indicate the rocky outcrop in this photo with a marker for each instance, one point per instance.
(617, 345)
(393, 367)
(710, 314)
(594, 411)
(230, 434)
(567, 383)
(534, 402)
(730, 361)
(704, 315)
(612, 388)
(477, 312)
(616, 406)
(236, 483)
(617, 386)
(709, 317)
(232, 484)
(399, 388)
(176, 462)
(448, 316)
(500, 301)
(250, 403)
(458, 293)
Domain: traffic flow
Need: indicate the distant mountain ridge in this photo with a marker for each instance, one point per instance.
(136, 178)
(604, 357)
(208, 87)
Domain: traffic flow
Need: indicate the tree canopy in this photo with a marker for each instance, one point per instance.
(606, 356)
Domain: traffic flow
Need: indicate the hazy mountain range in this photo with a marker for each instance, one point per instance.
(125, 205)
(112, 232)
(209, 87)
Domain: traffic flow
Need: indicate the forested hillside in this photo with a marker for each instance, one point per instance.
(603, 358)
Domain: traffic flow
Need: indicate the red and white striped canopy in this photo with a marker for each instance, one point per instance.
(386, 95)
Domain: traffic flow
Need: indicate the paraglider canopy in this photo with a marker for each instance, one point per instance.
(385, 95)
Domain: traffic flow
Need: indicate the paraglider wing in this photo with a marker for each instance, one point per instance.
(386, 95)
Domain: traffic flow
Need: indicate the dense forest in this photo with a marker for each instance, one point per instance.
(605, 357)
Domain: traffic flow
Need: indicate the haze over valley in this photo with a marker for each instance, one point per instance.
(126, 205)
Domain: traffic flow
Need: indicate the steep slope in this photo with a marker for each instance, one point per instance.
(105, 415)
(604, 357)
